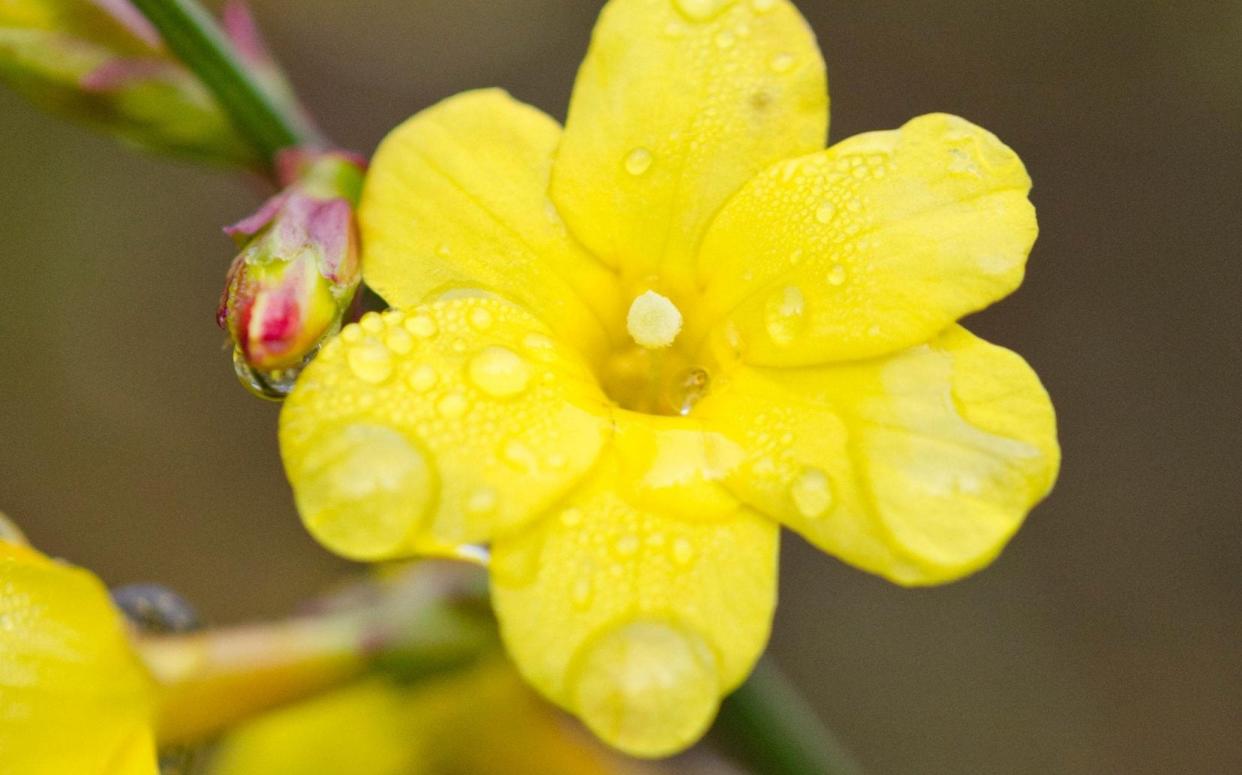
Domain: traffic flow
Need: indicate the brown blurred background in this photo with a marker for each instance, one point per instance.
(1107, 637)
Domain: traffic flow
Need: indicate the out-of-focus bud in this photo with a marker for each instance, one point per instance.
(297, 272)
(99, 62)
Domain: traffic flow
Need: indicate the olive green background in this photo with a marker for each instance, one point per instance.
(1106, 639)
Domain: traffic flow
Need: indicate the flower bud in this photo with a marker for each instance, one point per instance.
(99, 62)
(297, 272)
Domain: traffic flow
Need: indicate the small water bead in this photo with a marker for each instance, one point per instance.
(352, 334)
(825, 212)
(811, 493)
(701, 10)
(421, 326)
(627, 545)
(785, 315)
(571, 517)
(499, 372)
(692, 388)
(762, 6)
(372, 323)
(399, 341)
(638, 161)
(452, 406)
(782, 63)
(518, 455)
(481, 319)
(423, 378)
(683, 551)
(836, 275)
(370, 361)
(556, 461)
(481, 502)
(581, 592)
(725, 39)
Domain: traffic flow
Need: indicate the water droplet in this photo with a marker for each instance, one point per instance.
(638, 161)
(538, 345)
(785, 315)
(725, 39)
(683, 551)
(370, 361)
(421, 326)
(481, 319)
(762, 6)
(571, 517)
(372, 323)
(518, 455)
(581, 592)
(499, 372)
(811, 493)
(627, 545)
(423, 378)
(782, 63)
(691, 389)
(399, 341)
(556, 461)
(452, 406)
(836, 275)
(351, 334)
(825, 212)
(701, 10)
(274, 385)
(481, 502)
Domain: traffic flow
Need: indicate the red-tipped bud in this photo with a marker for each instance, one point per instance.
(297, 272)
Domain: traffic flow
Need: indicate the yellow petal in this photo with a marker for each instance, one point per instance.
(73, 696)
(414, 432)
(876, 244)
(678, 103)
(918, 466)
(456, 197)
(634, 620)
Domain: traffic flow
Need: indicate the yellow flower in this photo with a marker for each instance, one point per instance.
(624, 352)
(74, 697)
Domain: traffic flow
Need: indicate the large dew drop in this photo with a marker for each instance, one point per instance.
(701, 10)
(811, 493)
(362, 490)
(647, 687)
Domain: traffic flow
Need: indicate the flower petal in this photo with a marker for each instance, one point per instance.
(678, 103)
(876, 244)
(918, 466)
(414, 432)
(456, 197)
(636, 621)
(73, 695)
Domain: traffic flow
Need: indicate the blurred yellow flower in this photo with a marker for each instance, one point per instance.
(74, 697)
(624, 352)
(483, 721)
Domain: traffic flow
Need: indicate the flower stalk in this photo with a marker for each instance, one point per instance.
(421, 621)
(269, 122)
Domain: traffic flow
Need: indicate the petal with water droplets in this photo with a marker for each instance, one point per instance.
(675, 107)
(917, 466)
(635, 620)
(876, 244)
(419, 431)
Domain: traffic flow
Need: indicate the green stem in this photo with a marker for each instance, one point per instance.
(193, 35)
(769, 727)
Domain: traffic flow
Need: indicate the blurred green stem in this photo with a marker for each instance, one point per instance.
(768, 727)
(194, 36)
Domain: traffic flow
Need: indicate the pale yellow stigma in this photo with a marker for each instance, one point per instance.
(653, 321)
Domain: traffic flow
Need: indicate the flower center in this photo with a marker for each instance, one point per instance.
(653, 373)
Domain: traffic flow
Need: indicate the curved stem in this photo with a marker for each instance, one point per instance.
(210, 680)
(769, 727)
(269, 123)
